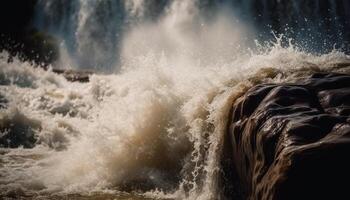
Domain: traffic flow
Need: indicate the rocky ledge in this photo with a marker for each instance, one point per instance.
(292, 141)
(74, 76)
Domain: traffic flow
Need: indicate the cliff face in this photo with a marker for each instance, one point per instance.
(292, 141)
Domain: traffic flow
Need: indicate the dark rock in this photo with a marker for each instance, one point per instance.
(292, 141)
(74, 76)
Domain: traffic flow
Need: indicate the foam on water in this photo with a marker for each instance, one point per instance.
(155, 128)
(158, 126)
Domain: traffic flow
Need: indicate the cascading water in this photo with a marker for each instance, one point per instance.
(91, 32)
(155, 128)
(88, 30)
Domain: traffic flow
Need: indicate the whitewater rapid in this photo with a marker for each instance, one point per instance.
(154, 126)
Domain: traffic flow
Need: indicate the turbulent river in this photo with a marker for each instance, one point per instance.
(151, 124)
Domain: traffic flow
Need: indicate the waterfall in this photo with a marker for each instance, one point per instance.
(91, 31)
(151, 121)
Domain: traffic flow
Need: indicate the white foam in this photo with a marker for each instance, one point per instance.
(159, 122)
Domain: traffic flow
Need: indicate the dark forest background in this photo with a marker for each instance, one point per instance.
(19, 36)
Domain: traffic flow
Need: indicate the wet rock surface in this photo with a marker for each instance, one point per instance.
(292, 141)
(74, 76)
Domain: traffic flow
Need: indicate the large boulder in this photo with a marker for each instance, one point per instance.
(292, 141)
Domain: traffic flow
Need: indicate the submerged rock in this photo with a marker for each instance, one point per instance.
(292, 141)
(74, 76)
(3, 102)
(17, 130)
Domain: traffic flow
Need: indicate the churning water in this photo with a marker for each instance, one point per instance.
(152, 129)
